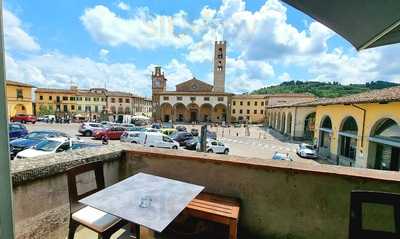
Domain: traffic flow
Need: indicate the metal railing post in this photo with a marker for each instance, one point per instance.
(6, 208)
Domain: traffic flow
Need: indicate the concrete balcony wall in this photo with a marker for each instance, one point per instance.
(278, 199)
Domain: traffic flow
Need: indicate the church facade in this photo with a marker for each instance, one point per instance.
(193, 100)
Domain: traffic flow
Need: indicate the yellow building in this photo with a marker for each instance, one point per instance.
(249, 108)
(56, 101)
(19, 98)
(361, 130)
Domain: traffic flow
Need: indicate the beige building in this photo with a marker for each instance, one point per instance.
(193, 100)
(249, 108)
(91, 104)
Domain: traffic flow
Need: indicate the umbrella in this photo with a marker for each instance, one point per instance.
(364, 23)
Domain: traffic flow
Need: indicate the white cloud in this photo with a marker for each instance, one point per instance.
(141, 31)
(123, 6)
(176, 72)
(245, 76)
(103, 53)
(58, 70)
(16, 38)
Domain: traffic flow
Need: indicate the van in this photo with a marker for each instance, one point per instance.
(134, 137)
(159, 140)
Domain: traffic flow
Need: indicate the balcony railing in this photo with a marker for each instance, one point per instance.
(278, 199)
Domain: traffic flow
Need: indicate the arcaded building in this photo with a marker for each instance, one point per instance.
(193, 100)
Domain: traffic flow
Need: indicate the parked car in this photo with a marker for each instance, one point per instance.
(167, 125)
(23, 118)
(139, 122)
(135, 137)
(156, 126)
(237, 125)
(53, 145)
(281, 156)
(89, 129)
(136, 128)
(153, 130)
(32, 139)
(113, 132)
(191, 144)
(180, 128)
(194, 132)
(168, 131)
(307, 151)
(159, 140)
(49, 118)
(215, 146)
(16, 130)
(181, 137)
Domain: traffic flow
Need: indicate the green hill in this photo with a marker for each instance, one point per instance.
(322, 89)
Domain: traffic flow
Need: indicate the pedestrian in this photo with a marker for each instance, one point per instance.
(104, 139)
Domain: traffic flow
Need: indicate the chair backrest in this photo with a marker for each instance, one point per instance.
(72, 173)
(356, 230)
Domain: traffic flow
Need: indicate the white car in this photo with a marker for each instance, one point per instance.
(53, 145)
(159, 140)
(307, 151)
(215, 146)
(89, 129)
(135, 137)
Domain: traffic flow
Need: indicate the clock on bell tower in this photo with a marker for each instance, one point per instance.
(158, 79)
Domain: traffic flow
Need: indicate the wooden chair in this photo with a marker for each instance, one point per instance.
(102, 223)
(357, 199)
(217, 209)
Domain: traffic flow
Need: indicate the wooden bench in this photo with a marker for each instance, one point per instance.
(217, 209)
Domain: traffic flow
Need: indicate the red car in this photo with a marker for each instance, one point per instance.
(23, 118)
(111, 133)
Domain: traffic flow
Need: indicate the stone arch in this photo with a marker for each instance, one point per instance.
(166, 112)
(283, 124)
(289, 124)
(309, 126)
(20, 109)
(278, 124)
(206, 111)
(325, 136)
(180, 113)
(347, 143)
(384, 145)
(194, 112)
(220, 113)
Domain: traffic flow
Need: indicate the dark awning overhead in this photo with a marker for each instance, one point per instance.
(364, 23)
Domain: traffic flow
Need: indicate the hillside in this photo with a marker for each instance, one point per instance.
(322, 89)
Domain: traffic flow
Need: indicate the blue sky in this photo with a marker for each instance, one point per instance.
(117, 43)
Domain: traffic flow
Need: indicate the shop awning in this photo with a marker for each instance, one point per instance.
(365, 24)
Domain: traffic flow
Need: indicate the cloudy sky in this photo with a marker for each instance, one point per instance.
(117, 43)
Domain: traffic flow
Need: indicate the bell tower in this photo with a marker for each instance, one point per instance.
(159, 85)
(219, 66)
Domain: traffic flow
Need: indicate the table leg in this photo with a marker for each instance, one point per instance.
(146, 233)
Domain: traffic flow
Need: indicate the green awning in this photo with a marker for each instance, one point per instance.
(364, 23)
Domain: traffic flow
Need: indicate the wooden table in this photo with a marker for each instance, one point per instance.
(125, 200)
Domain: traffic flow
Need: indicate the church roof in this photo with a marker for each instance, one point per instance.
(194, 85)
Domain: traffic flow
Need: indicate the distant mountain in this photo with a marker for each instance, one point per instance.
(322, 89)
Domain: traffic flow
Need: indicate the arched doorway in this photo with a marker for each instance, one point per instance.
(20, 109)
(289, 124)
(309, 126)
(166, 112)
(325, 134)
(193, 112)
(206, 112)
(180, 113)
(384, 145)
(283, 124)
(219, 113)
(348, 141)
(278, 123)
